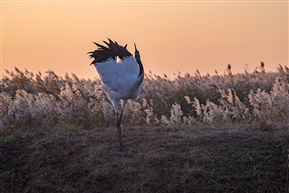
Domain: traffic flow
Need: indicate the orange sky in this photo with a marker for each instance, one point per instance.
(171, 36)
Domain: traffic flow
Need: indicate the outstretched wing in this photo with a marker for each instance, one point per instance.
(112, 50)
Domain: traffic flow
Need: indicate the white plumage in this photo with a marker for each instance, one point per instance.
(121, 75)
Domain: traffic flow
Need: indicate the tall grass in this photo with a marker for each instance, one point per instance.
(45, 100)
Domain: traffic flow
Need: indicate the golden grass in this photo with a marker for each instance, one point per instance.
(201, 158)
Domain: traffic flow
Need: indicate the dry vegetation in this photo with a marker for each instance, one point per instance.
(226, 158)
(34, 100)
(213, 133)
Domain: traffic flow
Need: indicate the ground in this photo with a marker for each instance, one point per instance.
(200, 158)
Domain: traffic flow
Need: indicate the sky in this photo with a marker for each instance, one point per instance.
(172, 36)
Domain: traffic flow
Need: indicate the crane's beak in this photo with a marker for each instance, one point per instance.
(135, 47)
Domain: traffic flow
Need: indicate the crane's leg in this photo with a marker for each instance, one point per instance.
(118, 123)
(119, 119)
(121, 146)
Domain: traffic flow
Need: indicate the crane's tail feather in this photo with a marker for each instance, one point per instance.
(100, 46)
(111, 50)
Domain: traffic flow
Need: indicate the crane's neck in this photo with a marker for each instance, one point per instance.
(141, 70)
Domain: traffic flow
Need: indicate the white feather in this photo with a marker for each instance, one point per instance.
(119, 79)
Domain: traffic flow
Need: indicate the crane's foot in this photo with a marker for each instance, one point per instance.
(121, 148)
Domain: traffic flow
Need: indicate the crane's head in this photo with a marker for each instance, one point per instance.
(137, 58)
(136, 52)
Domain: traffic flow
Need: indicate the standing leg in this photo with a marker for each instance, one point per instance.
(121, 146)
(118, 123)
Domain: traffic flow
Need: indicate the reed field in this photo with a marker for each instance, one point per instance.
(37, 100)
(191, 133)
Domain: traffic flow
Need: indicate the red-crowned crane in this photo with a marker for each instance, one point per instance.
(121, 75)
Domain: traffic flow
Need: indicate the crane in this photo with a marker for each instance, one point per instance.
(121, 75)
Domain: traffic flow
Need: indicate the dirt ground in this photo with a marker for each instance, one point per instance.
(201, 158)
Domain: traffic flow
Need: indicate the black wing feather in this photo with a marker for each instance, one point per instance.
(112, 50)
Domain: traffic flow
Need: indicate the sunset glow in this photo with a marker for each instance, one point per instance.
(172, 36)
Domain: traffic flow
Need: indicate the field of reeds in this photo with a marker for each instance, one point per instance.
(37, 100)
(190, 133)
